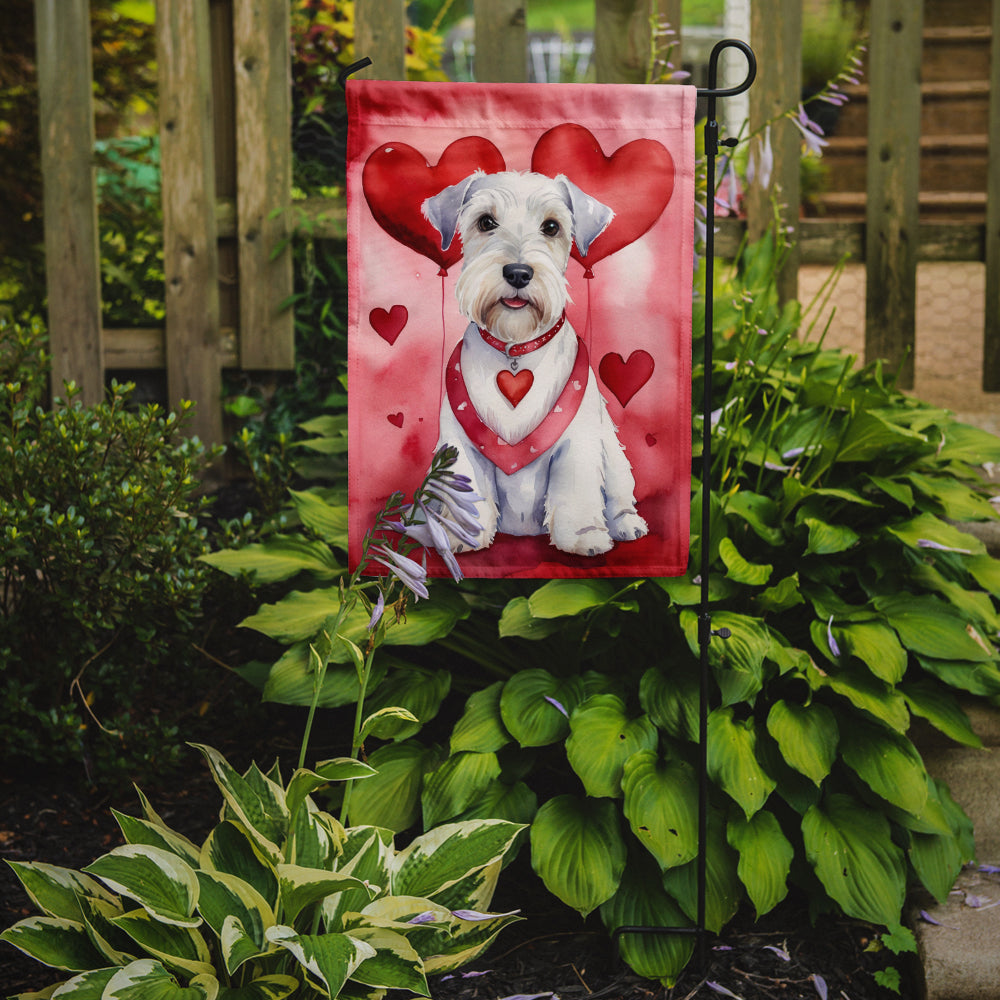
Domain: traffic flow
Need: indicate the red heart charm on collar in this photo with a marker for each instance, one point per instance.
(397, 180)
(515, 387)
(636, 181)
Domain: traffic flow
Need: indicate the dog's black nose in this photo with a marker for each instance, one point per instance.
(517, 275)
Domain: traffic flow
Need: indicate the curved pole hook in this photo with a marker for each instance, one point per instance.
(353, 68)
(712, 90)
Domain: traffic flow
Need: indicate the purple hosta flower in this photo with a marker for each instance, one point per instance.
(475, 915)
(719, 988)
(377, 612)
(465, 975)
(927, 543)
(812, 134)
(531, 996)
(927, 918)
(834, 648)
(430, 533)
(411, 574)
(727, 199)
(990, 869)
(760, 166)
(820, 983)
(780, 952)
(558, 705)
(427, 917)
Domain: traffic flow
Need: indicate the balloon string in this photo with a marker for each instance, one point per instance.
(588, 327)
(444, 337)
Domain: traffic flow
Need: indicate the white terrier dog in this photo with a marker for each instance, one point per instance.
(523, 407)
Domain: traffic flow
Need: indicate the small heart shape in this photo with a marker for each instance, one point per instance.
(515, 387)
(650, 440)
(389, 325)
(396, 419)
(626, 378)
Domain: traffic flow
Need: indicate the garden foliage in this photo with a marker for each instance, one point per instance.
(280, 899)
(854, 604)
(99, 546)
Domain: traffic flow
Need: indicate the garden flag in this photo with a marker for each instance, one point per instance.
(520, 276)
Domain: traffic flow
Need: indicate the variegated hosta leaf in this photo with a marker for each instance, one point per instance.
(367, 853)
(315, 838)
(56, 891)
(578, 851)
(304, 782)
(765, 858)
(301, 887)
(395, 964)
(467, 940)
(391, 799)
(441, 857)
(661, 800)
(329, 959)
(54, 941)
(230, 849)
(256, 801)
(535, 706)
(732, 760)
(274, 987)
(158, 880)
(850, 847)
(888, 763)
(807, 736)
(141, 831)
(481, 727)
(177, 947)
(149, 980)
(456, 784)
(476, 890)
(225, 897)
(116, 947)
(642, 902)
(86, 986)
(602, 737)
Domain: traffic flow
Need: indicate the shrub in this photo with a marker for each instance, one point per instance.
(99, 540)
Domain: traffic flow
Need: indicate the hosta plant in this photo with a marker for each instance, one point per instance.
(279, 900)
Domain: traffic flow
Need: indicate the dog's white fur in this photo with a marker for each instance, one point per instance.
(581, 490)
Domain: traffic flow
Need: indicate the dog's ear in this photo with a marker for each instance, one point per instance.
(590, 217)
(442, 209)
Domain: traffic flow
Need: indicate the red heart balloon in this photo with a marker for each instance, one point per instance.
(626, 378)
(636, 181)
(389, 325)
(397, 179)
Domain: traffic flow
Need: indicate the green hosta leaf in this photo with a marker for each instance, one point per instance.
(224, 898)
(876, 646)
(986, 571)
(481, 728)
(292, 680)
(330, 959)
(180, 948)
(517, 620)
(893, 488)
(866, 692)
(279, 558)
(931, 628)
(732, 760)
(976, 678)
(141, 831)
(783, 595)
(765, 858)
(54, 941)
(395, 964)
(738, 661)
(975, 605)
(723, 889)
(870, 435)
(230, 849)
(828, 539)
(850, 848)
(758, 511)
(578, 851)
(957, 501)
(147, 979)
(391, 798)
(260, 809)
(738, 569)
(559, 598)
(516, 803)
(671, 700)
(937, 859)
(641, 901)
(301, 887)
(602, 738)
(415, 689)
(661, 798)
(387, 723)
(684, 592)
(328, 521)
(530, 706)
(274, 987)
(965, 443)
(159, 881)
(807, 736)
(438, 859)
(941, 709)
(456, 784)
(56, 891)
(888, 763)
(928, 528)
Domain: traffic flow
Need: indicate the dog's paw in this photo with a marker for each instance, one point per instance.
(628, 526)
(591, 540)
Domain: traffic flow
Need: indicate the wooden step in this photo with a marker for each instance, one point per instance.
(957, 206)
(945, 12)
(956, 53)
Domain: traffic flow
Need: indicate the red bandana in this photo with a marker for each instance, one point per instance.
(509, 458)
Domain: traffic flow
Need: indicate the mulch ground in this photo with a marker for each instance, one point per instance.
(551, 952)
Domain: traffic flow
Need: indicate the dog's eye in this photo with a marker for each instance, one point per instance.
(486, 223)
(551, 228)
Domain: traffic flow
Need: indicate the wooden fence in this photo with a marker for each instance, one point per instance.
(226, 161)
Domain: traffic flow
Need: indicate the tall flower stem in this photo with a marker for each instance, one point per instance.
(357, 737)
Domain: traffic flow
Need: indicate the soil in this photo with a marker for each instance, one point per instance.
(550, 952)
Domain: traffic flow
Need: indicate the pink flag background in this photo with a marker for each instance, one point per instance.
(407, 141)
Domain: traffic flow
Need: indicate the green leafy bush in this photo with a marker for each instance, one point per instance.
(101, 584)
(280, 899)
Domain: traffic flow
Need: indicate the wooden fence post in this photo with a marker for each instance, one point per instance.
(72, 255)
(262, 61)
(991, 332)
(190, 251)
(506, 60)
(621, 40)
(892, 214)
(380, 34)
(776, 35)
